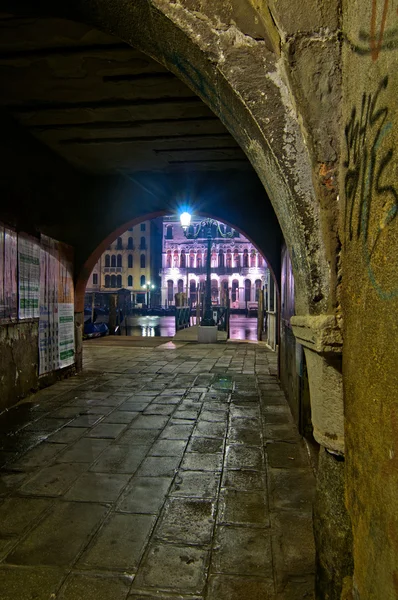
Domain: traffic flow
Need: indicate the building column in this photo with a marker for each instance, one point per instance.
(321, 339)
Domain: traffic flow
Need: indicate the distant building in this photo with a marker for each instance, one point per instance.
(236, 266)
(130, 262)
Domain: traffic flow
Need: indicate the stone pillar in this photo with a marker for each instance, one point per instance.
(321, 339)
(79, 324)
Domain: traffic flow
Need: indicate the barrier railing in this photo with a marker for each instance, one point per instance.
(182, 316)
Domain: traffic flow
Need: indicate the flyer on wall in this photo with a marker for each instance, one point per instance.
(28, 277)
(66, 334)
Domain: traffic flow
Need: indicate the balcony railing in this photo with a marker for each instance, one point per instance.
(113, 269)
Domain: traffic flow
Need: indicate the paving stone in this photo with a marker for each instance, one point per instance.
(47, 424)
(85, 450)
(227, 587)
(159, 466)
(286, 455)
(242, 551)
(244, 480)
(144, 495)
(168, 448)
(67, 435)
(107, 430)
(240, 434)
(97, 487)
(177, 432)
(281, 432)
(120, 459)
(159, 409)
(39, 456)
(95, 587)
(60, 536)
(293, 544)
(18, 583)
(149, 422)
(17, 513)
(244, 457)
(208, 429)
(291, 488)
(86, 420)
(139, 437)
(120, 416)
(243, 507)
(186, 520)
(206, 445)
(10, 482)
(195, 461)
(214, 416)
(172, 567)
(53, 480)
(120, 543)
(200, 484)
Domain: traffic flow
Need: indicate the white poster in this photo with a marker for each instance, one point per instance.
(66, 335)
(56, 325)
(28, 277)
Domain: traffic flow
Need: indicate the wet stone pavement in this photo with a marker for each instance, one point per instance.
(160, 472)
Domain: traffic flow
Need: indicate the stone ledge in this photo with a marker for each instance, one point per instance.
(318, 333)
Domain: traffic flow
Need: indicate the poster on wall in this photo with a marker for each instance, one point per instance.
(28, 277)
(8, 275)
(56, 324)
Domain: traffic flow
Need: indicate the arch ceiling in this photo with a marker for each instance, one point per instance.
(229, 57)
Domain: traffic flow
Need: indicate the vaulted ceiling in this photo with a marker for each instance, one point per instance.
(104, 106)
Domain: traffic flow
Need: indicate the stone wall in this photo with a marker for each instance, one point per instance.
(369, 169)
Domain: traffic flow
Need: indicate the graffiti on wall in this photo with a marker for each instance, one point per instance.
(370, 191)
(377, 37)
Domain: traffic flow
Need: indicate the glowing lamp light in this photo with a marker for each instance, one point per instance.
(185, 219)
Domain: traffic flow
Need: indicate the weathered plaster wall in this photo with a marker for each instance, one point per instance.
(18, 361)
(369, 175)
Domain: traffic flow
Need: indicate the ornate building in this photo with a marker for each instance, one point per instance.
(130, 262)
(236, 266)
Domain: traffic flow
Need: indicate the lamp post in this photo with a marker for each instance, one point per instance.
(208, 229)
(148, 287)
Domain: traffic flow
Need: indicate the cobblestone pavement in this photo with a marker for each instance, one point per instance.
(164, 472)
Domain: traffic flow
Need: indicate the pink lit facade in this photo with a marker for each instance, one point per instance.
(236, 266)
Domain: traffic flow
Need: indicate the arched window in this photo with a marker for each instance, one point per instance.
(235, 290)
(143, 280)
(119, 281)
(175, 259)
(213, 260)
(130, 261)
(113, 261)
(142, 261)
(224, 292)
(119, 244)
(214, 291)
(107, 260)
(130, 281)
(119, 260)
(113, 281)
(237, 259)
(169, 232)
(130, 244)
(253, 259)
(107, 280)
(191, 260)
(248, 285)
(143, 226)
(182, 260)
(199, 260)
(229, 259)
(260, 261)
(221, 258)
(180, 286)
(258, 288)
(142, 244)
(245, 258)
(168, 259)
(170, 290)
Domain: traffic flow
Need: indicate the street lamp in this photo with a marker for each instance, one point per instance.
(148, 287)
(208, 229)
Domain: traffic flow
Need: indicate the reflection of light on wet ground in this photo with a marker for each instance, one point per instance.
(241, 328)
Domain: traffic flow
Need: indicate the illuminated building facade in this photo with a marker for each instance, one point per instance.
(236, 266)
